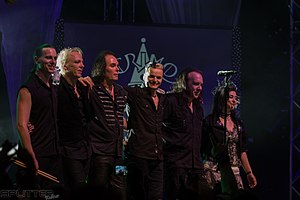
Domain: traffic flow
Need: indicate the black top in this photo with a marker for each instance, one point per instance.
(182, 130)
(216, 130)
(72, 121)
(145, 122)
(43, 117)
(106, 126)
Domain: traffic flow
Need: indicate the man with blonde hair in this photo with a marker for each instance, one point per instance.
(145, 144)
(72, 118)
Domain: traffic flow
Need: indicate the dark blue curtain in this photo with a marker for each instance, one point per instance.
(24, 25)
(28, 23)
(195, 12)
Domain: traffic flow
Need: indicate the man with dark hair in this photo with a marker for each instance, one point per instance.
(106, 127)
(36, 108)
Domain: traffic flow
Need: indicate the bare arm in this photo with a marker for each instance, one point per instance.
(23, 113)
(247, 168)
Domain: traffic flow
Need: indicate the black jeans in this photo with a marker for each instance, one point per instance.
(145, 179)
(182, 183)
(75, 172)
(102, 177)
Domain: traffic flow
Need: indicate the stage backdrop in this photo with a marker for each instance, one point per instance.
(207, 49)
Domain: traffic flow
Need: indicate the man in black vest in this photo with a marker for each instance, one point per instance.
(36, 122)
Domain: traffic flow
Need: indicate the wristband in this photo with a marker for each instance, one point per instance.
(248, 173)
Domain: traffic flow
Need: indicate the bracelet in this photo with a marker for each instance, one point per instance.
(248, 173)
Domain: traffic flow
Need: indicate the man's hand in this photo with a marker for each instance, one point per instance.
(30, 127)
(86, 81)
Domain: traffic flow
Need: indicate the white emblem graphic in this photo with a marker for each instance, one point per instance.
(170, 69)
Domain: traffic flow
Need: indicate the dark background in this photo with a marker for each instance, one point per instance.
(264, 26)
(265, 92)
(264, 85)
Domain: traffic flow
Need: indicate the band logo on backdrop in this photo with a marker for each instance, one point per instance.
(138, 62)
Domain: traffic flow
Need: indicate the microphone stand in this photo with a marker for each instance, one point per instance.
(226, 96)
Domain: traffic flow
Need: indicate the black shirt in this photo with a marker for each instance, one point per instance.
(212, 128)
(145, 121)
(182, 131)
(106, 126)
(72, 121)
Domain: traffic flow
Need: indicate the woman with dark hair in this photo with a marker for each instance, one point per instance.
(225, 145)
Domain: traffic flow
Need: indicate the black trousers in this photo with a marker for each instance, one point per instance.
(102, 177)
(75, 172)
(183, 184)
(145, 179)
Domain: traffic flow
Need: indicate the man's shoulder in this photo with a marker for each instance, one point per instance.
(172, 98)
(133, 89)
(30, 83)
(173, 95)
(121, 90)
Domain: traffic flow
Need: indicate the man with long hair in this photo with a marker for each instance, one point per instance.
(106, 127)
